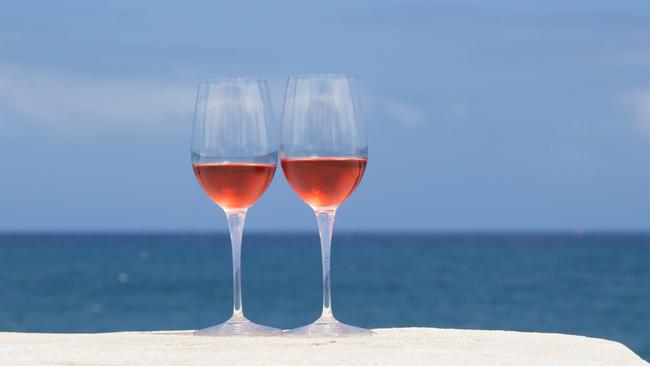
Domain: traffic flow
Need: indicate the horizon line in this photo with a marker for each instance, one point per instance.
(574, 232)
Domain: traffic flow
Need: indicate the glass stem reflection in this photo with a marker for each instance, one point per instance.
(236, 226)
(325, 226)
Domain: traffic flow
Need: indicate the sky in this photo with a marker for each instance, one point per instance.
(482, 116)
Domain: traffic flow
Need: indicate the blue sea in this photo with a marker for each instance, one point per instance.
(595, 284)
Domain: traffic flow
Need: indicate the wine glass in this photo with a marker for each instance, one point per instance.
(234, 155)
(323, 152)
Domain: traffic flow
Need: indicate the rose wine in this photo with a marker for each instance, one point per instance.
(324, 182)
(234, 185)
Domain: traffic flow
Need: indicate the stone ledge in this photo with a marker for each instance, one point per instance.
(394, 346)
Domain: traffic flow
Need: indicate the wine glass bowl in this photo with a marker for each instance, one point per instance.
(323, 153)
(234, 186)
(324, 183)
(234, 157)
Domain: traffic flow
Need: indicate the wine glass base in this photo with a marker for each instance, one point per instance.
(327, 327)
(238, 326)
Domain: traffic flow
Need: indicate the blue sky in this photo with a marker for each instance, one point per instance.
(482, 115)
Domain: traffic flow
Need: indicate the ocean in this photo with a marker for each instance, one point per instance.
(594, 284)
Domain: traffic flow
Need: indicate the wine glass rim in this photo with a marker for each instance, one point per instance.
(234, 79)
(300, 76)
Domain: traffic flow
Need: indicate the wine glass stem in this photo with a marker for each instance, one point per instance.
(236, 226)
(325, 226)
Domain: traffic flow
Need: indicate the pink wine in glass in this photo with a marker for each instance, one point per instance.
(234, 185)
(324, 182)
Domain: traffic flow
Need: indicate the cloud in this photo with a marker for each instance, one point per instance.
(459, 110)
(10, 35)
(392, 110)
(639, 103)
(404, 113)
(66, 101)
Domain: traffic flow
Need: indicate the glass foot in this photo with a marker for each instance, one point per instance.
(327, 327)
(238, 326)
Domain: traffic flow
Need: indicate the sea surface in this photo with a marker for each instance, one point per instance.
(594, 284)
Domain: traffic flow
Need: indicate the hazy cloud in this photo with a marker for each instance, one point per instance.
(393, 110)
(459, 110)
(10, 35)
(404, 113)
(639, 102)
(63, 101)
